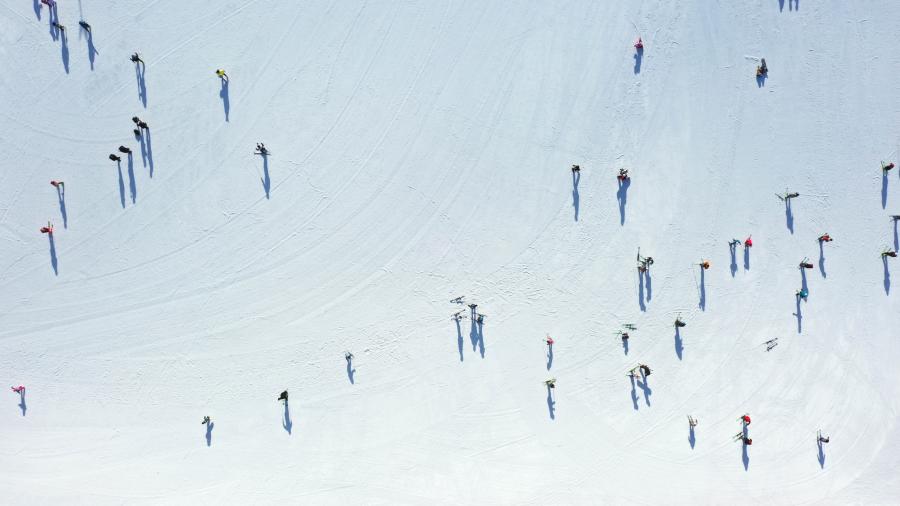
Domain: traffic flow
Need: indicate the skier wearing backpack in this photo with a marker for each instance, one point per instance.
(825, 238)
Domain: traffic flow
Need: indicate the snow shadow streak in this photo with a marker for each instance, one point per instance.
(702, 303)
(803, 280)
(679, 344)
(642, 383)
(638, 58)
(622, 197)
(146, 136)
(139, 72)
(788, 215)
(22, 404)
(121, 184)
(745, 458)
(887, 276)
(576, 178)
(822, 260)
(733, 250)
(648, 284)
(132, 184)
(64, 49)
(459, 339)
(634, 396)
(884, 188)
(209, 429)
(226, 103)
(641, 291)
(625, 346)
(92, 50)
(351, 371)
(286, 422)
(692, 438)
(746, 258)
(799, 315)
(821, 455)
(896, 238)
(266, 182)
(476, 335)
(53, 261)
(551, 404)
(61, 195)
(36, 4)
(549, 357)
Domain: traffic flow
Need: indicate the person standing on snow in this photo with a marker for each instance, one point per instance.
(748, 242)
(222, 75)
(136, 58)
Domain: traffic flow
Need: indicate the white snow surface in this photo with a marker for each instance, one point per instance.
(421, 151)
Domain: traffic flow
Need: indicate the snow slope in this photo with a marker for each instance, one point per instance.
(421, 151)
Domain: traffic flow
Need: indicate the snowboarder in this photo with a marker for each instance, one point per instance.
(84, 25)
(549, 341)
(283, 397)
(825, 238)
(48, 229)
(748, 242)
(745, 419)
(623, 175)
(19, 389)
(222, 75)
(762, 69)
(804, 264)
(123, 149)
(136, 58)
(205, 420)
(639, 44)
(59, 185)
(692, 421)
(551, 383)
(705, 264)
(679, 323)
(114, 157)
(892, 254)
(645, 263)
(458, 300)
(457, 316)
(803, 293)
(887, 167)
(644, 370)
(576, 168)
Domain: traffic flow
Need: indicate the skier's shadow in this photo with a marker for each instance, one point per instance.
(788, 215)
(625, 346)
(266, 182)
(92, 51)
(209, 429)
(799, 315)
(648, 284)
(551, 404)
(746, 258)
(286, 421)
(803, 283)
(679, 345)
(745, 458)
(146, 135)
(22, 404)
(61, 195)
(896, 238)
(476, 335)
(132, 184)
(36, 4)
(692, 438)
(121, 184)
(634, 396)
(139, 72)
(459, 338)
(638, 58)
(576, 178)
(226, 103)
(822, 260)
(351, 371)
(642, 383)
(780, 5)
(733, 249)
(641, 291)
(702, 304)
(796, 4)
(884, 188)
(761, 80)
(64, 49)
(53, 261)
(549, 356)
(887, 276)
(821, 455)
(53, 17)
(622, 197)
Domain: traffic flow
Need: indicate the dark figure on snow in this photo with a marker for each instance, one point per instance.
(645, 370)
(479, 318)
(824, 439)
(791, 195)
(123, 149)
(348, 356)
(205, 420)
(576, 168)
(135, 119)
(136, 58)
(84, 25)
(762, 69)
(623, 175)
(283, 396)
(58, 26)
(887, 167)
(806, 265)
(551, 383)
(143, 125)
(261, 148)
(115, 158)
(825, 238)
(892, 254)
(679, 323)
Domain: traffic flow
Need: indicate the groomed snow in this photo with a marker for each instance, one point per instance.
(421, 151)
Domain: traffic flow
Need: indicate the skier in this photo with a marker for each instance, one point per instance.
(887, 167)
(576, 168)
(58, 26)
(114, 157)
(639, 44)
(19, 389)
(762, 69)
(705, 264)
(825, 238)
(48, 229)
(135, 119)
(692, 421)
(644, 370)
(734, 243)
(623, 175)
(348, 356)
(143, 125)
(123, 149)
(892, 254)
(283, 397)
(745, 419)
(59, 185)
(261, 148)
(646, 262)
(205, 420)
(823, 439)
(624, 335)
(84, 25)
(479, 317)
(222, 75)
(806, 265)
(740, 437)
(136, 58)
(551, 383)
(803, 293)
(895, 217)
(748, 242)
(791, 195)
(549, 341)
(679, 323)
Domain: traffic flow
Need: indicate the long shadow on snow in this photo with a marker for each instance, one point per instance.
(92, 50)
(576, 178)
(896, 238)
(732, 248)
(638, 58)
(641, 291)
(821, 455)
(551, 404)
(132, 184)
(884, 188)
(64, 49)
(803, 283)
(22, 404)
(209, 429)
(799, 315)
(746, 258)
(53, 261)
(702, 304)
(61, 195)
(36, 4)
(286, 420)
(642, 383)
(226, 103)
(459, 339)
(887, 276)
(822, 260)
(476, 335)
(788, 215)
(692, 438)
(121, 184)
(745, 458)
(679, 345)
(622, 197)
(266, 182)
(549, 357)
(351, 371)
(140, 72)
(634, 396)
